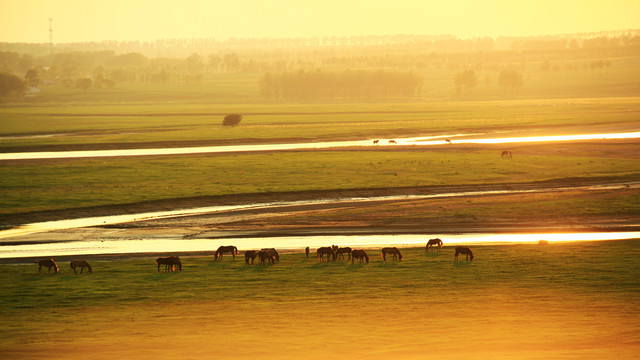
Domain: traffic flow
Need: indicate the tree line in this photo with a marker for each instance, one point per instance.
(360, 84)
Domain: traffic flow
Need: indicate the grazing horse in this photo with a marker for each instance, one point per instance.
(507, 153)
(463, 250)
(170, 263)
(434, 242)
(273, 253)
(393, 251)
(359, 254)
(326, 250)
(250, 254)
(392, 142)
(306, 251)
(375, 142)
(226, 249)
(49, 263)
(447, 141)
(266, 256)
(344, 250)
(80, 264)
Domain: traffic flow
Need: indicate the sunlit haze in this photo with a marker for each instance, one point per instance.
(91, 20)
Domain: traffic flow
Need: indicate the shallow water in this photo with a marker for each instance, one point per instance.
(418, 141)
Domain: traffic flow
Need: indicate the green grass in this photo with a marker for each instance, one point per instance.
(514, 297)
(30, 186)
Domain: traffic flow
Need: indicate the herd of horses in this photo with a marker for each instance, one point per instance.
(270, 256)
(505, 153)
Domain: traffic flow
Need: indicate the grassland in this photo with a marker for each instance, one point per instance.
(518, 301)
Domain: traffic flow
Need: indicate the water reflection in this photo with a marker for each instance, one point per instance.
(296, 243)
(118, 219)
(419, 141)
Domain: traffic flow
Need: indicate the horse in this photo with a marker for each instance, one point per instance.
(169, 262)
(266, 256)
(463, 250)
(375, 142)
(447, 141)
(391, 250)
(359, 254)
(306, 251)
(274, 253)
(226, 249)
(326, 250)
(80, 264)
(49, 263)
(344, 250)
(434, 242)
(392, 142)
(507, 153)
(250, 254)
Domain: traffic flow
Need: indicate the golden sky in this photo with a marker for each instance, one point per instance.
(92, 20)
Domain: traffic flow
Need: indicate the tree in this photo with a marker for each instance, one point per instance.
(32, 78)
(12, 88)
(232, 120)
(510, 79)
(465, 79)
(83, 83)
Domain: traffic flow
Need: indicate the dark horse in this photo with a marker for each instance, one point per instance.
(344, 250)
(80, 264)
(226, 249)
(507, 153)
(170, 263)
(434, 242)
(306, 251)
(265, 256)
(250, 255)
(49, 263)
(463, 250)
(393, 251)
(329, 251)
(274, 253)
(360, 255)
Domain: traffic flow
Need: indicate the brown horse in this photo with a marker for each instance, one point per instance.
(344, 250)
(265, 255)
(447, 141)
(507, 153)
(463, 250)
(375, 142)
(250, 255)
(170, 263)
(226, 249)
(360, 255)
(273, 253)
(329, 251)
(434, 242)
(392, 142)
(49, 263)
(393, 251)
(80, 264)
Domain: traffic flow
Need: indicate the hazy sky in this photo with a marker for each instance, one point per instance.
(91, 20)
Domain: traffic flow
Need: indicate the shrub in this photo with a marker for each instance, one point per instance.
(232, 120)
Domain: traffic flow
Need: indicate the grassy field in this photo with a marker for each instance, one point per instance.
(562, 301)
(147, 123)
(60, 184)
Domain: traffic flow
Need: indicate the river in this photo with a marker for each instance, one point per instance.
(417, 141)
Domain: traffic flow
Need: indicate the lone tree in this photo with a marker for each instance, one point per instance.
(232, 120)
